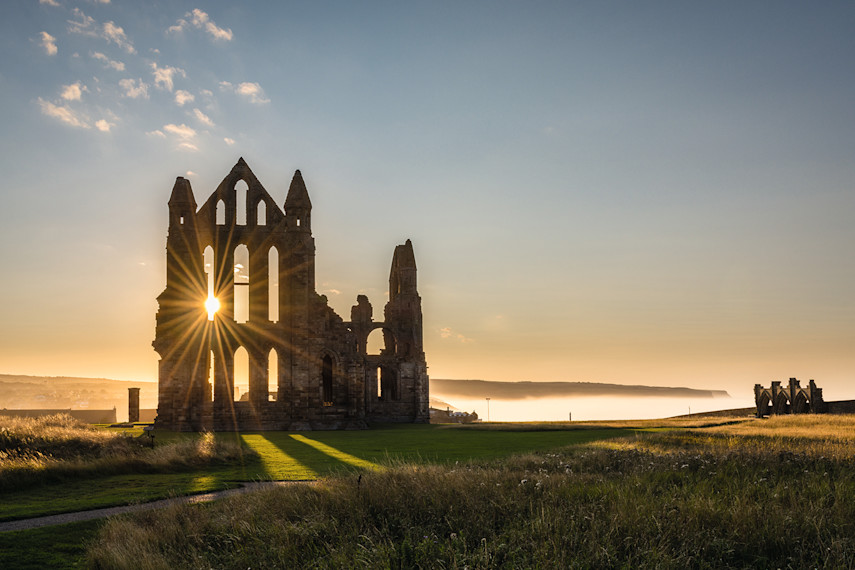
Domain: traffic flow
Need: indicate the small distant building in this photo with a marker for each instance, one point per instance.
(448, 416)
(790, 399)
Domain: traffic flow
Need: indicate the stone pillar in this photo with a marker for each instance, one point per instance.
(133, 405)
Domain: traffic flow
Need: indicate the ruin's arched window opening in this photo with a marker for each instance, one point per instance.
(388, 384)
(327, 380)
(272, 375)
(241, 375)
(273, 285)
(208, 262)
(208, 395)
(241, 188)
(261, 214)
(375, 342)
(241, 283)
(221, 213)
(378, 374)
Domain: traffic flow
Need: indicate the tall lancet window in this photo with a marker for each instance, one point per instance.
(241, 284)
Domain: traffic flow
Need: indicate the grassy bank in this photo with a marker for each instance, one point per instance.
(58, 448)
(763, 493)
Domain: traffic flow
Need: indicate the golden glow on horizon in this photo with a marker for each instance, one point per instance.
(212, 304)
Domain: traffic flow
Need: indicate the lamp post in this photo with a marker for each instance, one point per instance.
(488, 409)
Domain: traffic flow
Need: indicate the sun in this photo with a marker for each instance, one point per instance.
(212, 304)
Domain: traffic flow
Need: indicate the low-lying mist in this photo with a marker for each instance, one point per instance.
(591, 408)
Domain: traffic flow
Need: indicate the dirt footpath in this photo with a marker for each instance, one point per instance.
(27, 524)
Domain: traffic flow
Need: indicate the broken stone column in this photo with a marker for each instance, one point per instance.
(133, 405)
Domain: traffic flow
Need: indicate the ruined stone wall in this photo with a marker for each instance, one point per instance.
(319, 379)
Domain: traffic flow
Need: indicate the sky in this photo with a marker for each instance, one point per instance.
(656, 193)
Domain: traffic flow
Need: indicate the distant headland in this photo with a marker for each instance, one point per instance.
(523, 390)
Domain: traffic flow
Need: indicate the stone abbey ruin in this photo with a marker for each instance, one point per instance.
(240, 285)
(791, 399)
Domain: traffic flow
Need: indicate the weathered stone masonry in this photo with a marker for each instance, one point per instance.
(790, 399)
(308, 368)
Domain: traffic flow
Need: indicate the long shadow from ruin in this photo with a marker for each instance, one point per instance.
(296, 456)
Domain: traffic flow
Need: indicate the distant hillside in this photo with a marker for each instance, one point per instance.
(522, 390)
(39, 392)
(51, 392)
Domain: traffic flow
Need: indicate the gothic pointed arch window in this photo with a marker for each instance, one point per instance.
(272, 375)
(327, 380)
(221, 213)
(208, 395)
(241, 284)
(273, 284)
(261, 213)
(240, 375)
(211, 303)
(241, 190)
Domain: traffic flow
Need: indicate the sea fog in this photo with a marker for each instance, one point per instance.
(586, 408)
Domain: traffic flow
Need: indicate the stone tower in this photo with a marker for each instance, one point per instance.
(240, 285)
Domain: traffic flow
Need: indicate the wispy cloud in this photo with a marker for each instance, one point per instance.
(156, 133)
(203, 118)
(182, 97)
(103, 125)
(229, 141)
(446, 332)
(53, 3)
(115, 34)
(134, 89)
(82, 24)
(49, 43)
(87, 26)
(181, 131)
(184, 135)
(251, 91)
(117, 65)
(163, 76)
(62, 113)
(201, 21)
(72, 92)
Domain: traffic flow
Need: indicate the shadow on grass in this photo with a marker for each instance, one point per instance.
(334, 450)
(297, 456)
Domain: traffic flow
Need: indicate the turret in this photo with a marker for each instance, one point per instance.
(298, 207)
(403, 312)
(402, 277)
(182, 204)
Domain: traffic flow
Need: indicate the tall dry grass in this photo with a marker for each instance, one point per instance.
(58, 447)
(655, 500)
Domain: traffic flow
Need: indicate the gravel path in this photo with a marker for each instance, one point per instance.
(27, 524)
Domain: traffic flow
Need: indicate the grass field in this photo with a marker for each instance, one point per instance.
(670, 493)
(749, 493)
(267, 455)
